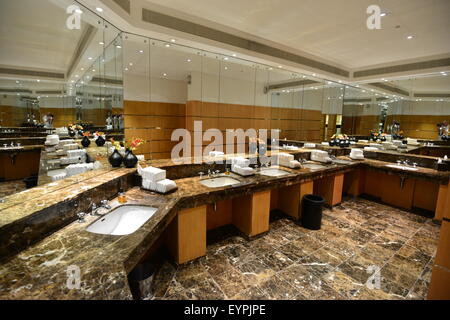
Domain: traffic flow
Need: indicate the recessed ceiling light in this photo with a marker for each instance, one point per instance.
(99, 9)
(78, 11)
(17, 81)
(226, 58)
(383, 14)
(188, 60)
(164, 74)
(313, 74)
(167, 45)
(141, 51)
(444, 74)
(72, 81)
(280, 67)
(126, 69)
(226, 68)
(340, 81)
(173, 40)
(93, 70)
(409, 37)
(234, 54)
(101, 43)
(90, 58)
(270, 68)
(38, 80)
(131, 64)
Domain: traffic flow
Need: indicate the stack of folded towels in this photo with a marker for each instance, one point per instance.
(75, 169)
(370, 149)
(74, 156)
(154, 179)
(287, 160)
(70, 146)
(62, 143)
(240, 165)
(59, 176)
(309, 145)
(320, 156)
(52, 140)
(357, 154)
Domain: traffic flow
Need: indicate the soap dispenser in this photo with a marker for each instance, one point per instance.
(121, 197)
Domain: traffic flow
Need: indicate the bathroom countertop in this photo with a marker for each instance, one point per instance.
(26, 148)
(40, 271)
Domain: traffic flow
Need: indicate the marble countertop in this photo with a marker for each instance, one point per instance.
(40, 271)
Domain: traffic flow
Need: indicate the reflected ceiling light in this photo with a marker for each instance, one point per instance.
(226, 58)
(101, 43)
(383, 14)
(270, 68)
(90, 58)
(93, 70)
(99, 9)
(119, 47)
(126, 69)
(72, 81)
(409, 37)
(167, 45)
(82, 69)
(234, 54)
(17, 81)
(76, 76)
(173, 40)
(188, 60)
(329, 82)
(280, 67)
(141, 51)
(226, 68)
(313, 74)
(340, 81)
(164, 74)
(38, 80)
(78, 11)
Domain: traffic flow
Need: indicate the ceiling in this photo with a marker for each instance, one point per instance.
(332, 30)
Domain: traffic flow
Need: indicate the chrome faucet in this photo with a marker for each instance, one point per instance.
(103, 204)
(81, 216)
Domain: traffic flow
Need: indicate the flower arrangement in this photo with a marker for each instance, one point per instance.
(116, 144)
(99, 134)
(74, 127)
(134, 143)
(86, 134)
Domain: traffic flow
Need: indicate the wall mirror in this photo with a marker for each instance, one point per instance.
(53, 78)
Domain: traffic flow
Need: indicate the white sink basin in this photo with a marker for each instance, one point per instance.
(122, 220)
(396, 166)
(313, 166)
(273, 172)
(219, 182)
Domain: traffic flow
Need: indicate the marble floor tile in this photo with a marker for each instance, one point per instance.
(291, 262)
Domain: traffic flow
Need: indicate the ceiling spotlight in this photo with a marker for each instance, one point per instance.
(78, 11)
(126, 69)
(141, 51)
(270, 68)
(99, 9)
(167, 45)
(90, 58)
(188, 60)
(383, 14)
(409, 37)
(444, 74)
(101, 43)
(280, 67)
(226, 68)
(234, 54)
(93, 70)
(38, 80)
(173, 40)
(131, 64)
(313, 74)
(164, 74)
(226, 58)
(119, 47)
(17, 81)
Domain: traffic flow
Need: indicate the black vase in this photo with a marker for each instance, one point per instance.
(115, 159)
(332, 143)
(71, 133)
(130, 160)
(100, 141)
(85, 142)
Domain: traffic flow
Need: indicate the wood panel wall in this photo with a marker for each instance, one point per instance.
(12, 116)
(361, 125)
(153, 121)
(418, 126)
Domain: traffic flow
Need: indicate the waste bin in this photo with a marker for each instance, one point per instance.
(141, 278)
(312, 211)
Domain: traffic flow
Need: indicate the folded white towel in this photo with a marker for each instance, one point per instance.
(140, 157)
(62, 143)
(76, 153)
(285, 157)
(294, 164)
(75, 169)
(59, 177)
(240, 161)
(152, 173)
(309, 145)
(72, 160)
(165, 185)
(370, 149)
(243, 171)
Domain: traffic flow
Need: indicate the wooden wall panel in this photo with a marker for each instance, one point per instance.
(155, 122)
(418, 126)
(425, 195)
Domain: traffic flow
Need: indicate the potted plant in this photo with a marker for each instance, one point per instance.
(130, 160)
(115, 159)
(85, 142)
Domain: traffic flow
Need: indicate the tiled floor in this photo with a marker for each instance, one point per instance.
(359, 240)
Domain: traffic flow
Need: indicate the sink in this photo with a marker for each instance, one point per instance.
(273, 172)
(313, 166)
(122, 220)
(396, 166)
(219, 182)
(341, 161)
